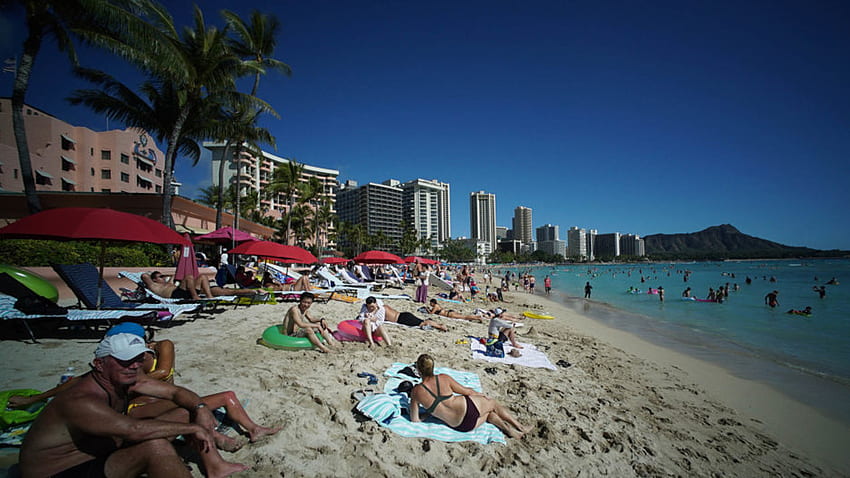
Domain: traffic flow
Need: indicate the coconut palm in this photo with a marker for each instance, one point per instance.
(325, 217)
(113, 24)
(240, 124)
(254, 43)
(286, 181)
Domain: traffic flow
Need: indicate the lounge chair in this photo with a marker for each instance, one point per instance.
(82, 279)
(210, 302)
(90, 319)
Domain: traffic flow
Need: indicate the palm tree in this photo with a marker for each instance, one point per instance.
(240, 124)
(254, 43)
(287, 181)
(114, 24)
(324, 220)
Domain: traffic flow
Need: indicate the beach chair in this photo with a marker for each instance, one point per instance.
(207, 302)
(82, 279)
(90, 320)
(348, 278)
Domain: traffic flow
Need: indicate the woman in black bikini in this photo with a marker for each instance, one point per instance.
(463, 412)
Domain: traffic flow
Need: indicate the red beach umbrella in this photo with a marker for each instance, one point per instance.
(187, 265)
(91, 224)
(84, 223)
(334, 260)
(377, 257)
(275, 251)
(423, 260)
(226, 235)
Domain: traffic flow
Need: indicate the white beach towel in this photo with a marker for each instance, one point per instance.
(531, 357)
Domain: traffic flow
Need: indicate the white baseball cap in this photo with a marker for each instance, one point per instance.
(122, 347)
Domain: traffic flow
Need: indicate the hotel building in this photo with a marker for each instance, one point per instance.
(548, 240)
(77, 159)
(482, 218)
(257, 172)
(377, 207)
(426, 207)
(522, 225)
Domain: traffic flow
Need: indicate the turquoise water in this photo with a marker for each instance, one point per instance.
(807, 358)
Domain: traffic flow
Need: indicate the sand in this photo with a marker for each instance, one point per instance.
(623, 408)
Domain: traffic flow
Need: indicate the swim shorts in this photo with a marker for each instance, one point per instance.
(179, 293)
(408, 319)
(91, 469)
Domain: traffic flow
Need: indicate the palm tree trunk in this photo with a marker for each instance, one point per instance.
(220, 202)
(168, 167)
(22, 77)
(238, 185)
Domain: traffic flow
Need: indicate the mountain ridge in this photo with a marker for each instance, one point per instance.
(722, 241)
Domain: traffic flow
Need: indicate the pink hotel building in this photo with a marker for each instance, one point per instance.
(77, 159)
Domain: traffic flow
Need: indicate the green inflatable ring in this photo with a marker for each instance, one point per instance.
(275, 338)
(14, 416)
(33, 282)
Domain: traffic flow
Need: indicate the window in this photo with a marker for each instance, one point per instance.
(15, 173)
(67, 143)
(125, 177)
(106, 155)
(68, 185)
(158, 188)
(68, 164)
(158, 173)
(105, 174)
(92, 171)
(105, 190)
(125, 158)
(91, 151)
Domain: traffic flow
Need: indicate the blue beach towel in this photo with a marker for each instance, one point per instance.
(391, 403)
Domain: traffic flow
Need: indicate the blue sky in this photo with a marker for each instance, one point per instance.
(637, 117)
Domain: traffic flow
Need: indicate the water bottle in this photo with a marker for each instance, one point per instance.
(68, 375)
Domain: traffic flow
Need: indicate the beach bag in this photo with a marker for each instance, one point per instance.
(494, 349)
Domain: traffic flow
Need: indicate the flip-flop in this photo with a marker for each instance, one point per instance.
(372, 379)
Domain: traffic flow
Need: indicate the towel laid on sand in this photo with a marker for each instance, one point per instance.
(531, 357)
(431, 428)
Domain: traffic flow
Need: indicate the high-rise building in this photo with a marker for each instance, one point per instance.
(577, 243)
(522, 225)
(77, 159)
(549, 242)
(501, 233)
(632, 245)
(591, 244)
(257, 173)
(425, 206)
(482, 217)
(377, 207)
(547, 232)
(607, 245)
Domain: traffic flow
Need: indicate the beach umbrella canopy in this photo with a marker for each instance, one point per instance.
(423, 260)
(226, 235)
(91, 224)
(84, 223)
(334, 260)
(275, 251)
(187, 265)
(377, 257)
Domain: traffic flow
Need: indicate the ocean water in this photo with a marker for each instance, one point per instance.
(807, 358)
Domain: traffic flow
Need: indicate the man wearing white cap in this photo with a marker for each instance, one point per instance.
(84, 431)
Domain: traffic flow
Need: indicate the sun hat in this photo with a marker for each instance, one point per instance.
(126, 328)
(121, 346)
(498, 311)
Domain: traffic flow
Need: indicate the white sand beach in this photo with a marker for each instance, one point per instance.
(623, 408)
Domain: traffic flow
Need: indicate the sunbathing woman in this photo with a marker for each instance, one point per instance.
(436, 309)
(161, 367)
(463, 412)
(301, 284)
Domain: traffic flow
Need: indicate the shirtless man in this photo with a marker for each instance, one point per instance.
(436, 309)
(188, 288)
(299, 323)
(84, 431)
(410, 320)
(770, 299)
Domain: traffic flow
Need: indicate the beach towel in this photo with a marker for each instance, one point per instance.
(531, 357)
(385, 407)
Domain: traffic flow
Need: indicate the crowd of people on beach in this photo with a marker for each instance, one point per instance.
(119, 419)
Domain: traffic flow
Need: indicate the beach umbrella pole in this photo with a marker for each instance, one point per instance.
(100, 276)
